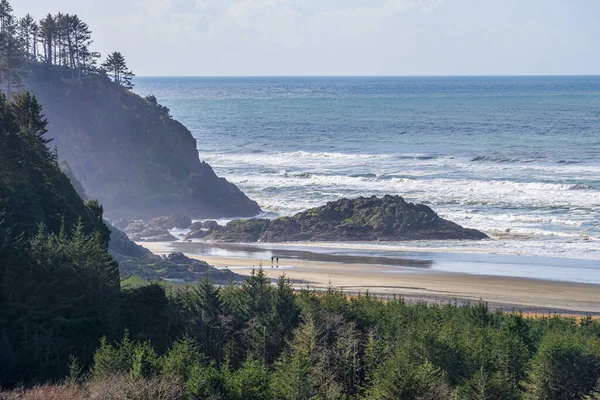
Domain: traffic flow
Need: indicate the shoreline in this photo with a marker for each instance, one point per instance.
(413, 283)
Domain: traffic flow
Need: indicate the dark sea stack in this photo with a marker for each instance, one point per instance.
(389, 218)
(196, 234)
(199, 230)
(174, 221)
(241, 231)
(195, 226)
(137, 161)
(148, 231)
(211, 225)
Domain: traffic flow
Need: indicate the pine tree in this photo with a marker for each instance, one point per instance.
(47, 32)
(208, 308)
(116, 67)
(28, 36)
(295, 374)
(82, 59)
(6, 15)
(12, 56)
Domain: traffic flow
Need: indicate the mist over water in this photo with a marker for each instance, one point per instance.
(516, 157)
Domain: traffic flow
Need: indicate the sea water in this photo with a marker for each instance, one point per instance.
(516, 157)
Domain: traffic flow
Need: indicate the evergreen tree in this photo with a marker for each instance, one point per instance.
(402, 377)
(564, 367)
(249, 382)
(28, 36)
(59, 286)
(6, 15)
(12, 57)
(154, 102)
(145, 312)
(47, 33)
(83, 60)
(116, 68)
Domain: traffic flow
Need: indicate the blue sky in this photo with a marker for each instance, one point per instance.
(341, 37)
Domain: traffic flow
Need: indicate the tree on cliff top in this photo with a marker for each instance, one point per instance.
(12, 55)
(116, 68)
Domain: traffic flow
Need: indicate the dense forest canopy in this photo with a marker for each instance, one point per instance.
(58, 284)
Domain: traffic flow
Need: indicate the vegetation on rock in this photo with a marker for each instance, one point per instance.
(115, 67)
(365, 219)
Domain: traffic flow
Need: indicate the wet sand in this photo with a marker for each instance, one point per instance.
(413, 281)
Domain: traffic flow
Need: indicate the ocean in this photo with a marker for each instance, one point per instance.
(516, 157)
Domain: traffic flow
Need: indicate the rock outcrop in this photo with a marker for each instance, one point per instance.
(389, 218)
(135, 260)
(199, 230)
(174, 221)
(137, 161)
(241, 231)
(155, 230)
(197, 234)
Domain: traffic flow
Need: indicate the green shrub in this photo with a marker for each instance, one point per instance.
(564, 367)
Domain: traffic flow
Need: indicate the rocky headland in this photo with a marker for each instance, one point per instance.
(127, 153)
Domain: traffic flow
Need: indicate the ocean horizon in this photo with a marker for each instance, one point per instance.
(371, 76)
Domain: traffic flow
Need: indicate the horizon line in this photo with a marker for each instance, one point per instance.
(371, 76)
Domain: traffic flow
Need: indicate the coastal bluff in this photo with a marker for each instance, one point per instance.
(127, 152)
(389, 218)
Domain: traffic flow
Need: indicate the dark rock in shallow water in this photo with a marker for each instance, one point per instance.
(142, 231)
(241, 231)
(173, 221)
(201, 229)
(195, 226)
(196, 234)
(389, 218)
(211, 225)
(152, 236)
(138, 226)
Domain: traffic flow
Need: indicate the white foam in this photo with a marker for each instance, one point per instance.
(550, 206)
(464, 192)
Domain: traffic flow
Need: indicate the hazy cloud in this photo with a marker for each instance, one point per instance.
(342, 37)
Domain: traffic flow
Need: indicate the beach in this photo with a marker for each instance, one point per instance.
(411, 279)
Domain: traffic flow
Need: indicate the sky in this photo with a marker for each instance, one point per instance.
(341, 37)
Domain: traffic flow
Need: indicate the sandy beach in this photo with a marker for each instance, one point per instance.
(413, 284)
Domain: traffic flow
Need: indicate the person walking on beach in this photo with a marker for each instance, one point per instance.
(277, 260)
(272, 258)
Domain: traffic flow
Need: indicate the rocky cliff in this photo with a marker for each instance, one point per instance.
(127, 153)
(388, 218)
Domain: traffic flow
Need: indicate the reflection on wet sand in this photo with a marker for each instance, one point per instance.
(253, 251)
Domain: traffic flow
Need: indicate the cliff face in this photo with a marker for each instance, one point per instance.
(389, 218)
(134, 159)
